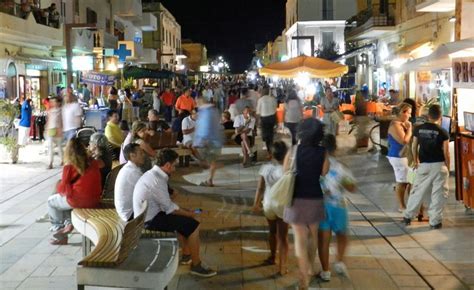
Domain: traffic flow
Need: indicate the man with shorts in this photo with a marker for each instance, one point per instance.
(165, 215)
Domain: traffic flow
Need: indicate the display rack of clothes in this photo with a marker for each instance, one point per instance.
(38, 120)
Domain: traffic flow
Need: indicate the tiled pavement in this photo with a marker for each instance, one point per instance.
(382, 255)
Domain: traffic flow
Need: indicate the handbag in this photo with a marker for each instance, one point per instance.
(281, 193)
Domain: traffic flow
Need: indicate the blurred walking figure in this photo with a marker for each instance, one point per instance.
(266, 110)
(54, 130)
(399, 135)
(71, 114)
(168, 99)
(293, 114)
(307, 208)
(329, 104)
(338, 180)
(270, 173)
(208, 137)
(127, 107)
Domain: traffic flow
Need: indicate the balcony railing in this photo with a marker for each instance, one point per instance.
(369, 18)
(42, 16)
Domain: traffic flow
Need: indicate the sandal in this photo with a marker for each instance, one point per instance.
(59, 242)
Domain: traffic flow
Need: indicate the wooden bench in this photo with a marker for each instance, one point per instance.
(120, 258)
(168, 140)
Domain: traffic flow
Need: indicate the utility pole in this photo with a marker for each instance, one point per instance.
(67, 39)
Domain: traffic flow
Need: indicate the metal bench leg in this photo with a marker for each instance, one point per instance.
(187, 158)
(181, 161)
(86, 246)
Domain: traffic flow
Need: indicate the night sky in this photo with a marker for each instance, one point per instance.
(229, 28)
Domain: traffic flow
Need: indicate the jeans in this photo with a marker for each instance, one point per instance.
(168, 113)
(59, 210)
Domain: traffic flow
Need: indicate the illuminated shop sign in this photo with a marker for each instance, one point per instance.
(463, 73)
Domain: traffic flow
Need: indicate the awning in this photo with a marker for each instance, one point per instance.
(439, 59)
(315, 67)
(97, 78)
(135, 72)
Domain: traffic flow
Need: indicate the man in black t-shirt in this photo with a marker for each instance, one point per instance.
(431, 155)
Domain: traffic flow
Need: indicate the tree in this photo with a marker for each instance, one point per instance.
(329, 51)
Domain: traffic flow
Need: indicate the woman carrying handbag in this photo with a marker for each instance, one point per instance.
(307, 209)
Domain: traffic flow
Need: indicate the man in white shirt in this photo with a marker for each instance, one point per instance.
(72, 115)
(127, 179)
(165, 215)
(266, 110)
(244, 125)
(188, 126)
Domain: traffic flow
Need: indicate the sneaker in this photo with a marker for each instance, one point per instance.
(341, 269)
(202, 271)
(185, 260)
(406, 221)
(325, 276)
(436, 226)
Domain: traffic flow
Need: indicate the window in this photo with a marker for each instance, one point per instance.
(91, 16)
(107, 25)
(327, 38)
(328, 10)
(76, 7)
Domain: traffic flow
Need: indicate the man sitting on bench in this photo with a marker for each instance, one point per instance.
(127, 179)
(164, 215)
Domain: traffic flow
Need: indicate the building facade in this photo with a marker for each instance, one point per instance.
(166, 39)
(196, 55)
(314, 24)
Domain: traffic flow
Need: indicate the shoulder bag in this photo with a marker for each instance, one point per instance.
(281, 193)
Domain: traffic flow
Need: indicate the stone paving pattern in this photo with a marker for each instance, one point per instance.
(383, 254)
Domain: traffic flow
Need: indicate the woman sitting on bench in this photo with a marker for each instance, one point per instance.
(80, 187)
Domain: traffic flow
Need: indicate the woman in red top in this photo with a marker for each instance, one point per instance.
(80, 187)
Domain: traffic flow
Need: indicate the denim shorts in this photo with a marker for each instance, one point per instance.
(336, 219)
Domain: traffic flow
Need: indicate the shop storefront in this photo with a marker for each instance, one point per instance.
(463, 83)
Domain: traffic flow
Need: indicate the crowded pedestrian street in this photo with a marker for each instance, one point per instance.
(383, 254)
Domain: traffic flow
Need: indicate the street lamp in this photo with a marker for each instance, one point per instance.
(67, 40)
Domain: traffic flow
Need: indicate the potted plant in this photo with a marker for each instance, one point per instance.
(8, 139)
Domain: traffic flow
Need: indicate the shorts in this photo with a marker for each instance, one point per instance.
(172, 223)
(210, 154)
(336, 219)
(400, 168)
(23, 135)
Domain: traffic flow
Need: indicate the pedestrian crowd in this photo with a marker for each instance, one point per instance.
(201, 115)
